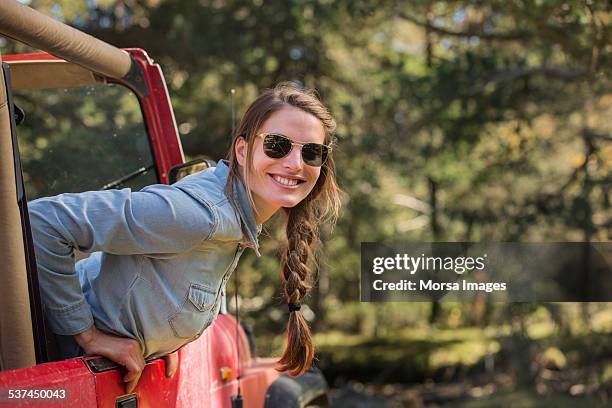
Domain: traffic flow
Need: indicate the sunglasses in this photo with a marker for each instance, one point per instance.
(277, 146)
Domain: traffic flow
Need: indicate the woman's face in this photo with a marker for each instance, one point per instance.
(272, 180)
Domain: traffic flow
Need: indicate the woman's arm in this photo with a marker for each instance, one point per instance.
(158, 219)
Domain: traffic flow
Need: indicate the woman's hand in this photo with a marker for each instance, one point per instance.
(172, 361)
(121, 350)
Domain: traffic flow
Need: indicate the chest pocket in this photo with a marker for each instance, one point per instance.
(195, 313)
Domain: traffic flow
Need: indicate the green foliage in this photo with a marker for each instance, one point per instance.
(81, 139)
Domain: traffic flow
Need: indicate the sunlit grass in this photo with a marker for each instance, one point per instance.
(413, 354)
(464, 346)
(466, 353)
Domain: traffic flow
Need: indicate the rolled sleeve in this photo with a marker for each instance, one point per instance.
(159, 219)
(72, 319)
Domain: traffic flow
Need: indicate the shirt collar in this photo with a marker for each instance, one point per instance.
(241, 198)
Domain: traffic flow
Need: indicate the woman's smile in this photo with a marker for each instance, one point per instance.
(286, 181)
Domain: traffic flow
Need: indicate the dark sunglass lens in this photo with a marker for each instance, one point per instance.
(276, 146)
(314, 154)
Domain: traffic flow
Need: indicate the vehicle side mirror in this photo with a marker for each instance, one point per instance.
(182, 170)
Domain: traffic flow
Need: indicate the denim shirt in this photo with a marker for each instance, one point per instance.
(161, 258)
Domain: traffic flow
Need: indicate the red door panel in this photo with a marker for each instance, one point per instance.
(70, 377)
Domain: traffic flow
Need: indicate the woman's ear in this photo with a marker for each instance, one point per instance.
(240, 150)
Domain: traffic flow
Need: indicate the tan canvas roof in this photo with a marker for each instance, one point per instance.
(50, 74)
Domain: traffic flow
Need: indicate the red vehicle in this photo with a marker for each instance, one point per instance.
(89, 117)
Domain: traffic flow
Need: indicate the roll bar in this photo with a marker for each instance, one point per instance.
(27, 25)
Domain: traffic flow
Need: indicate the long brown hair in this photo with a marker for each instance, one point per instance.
(298, 258)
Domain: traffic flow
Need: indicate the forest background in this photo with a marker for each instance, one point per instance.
(458, 121)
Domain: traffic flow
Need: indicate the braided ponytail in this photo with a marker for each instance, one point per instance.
(298, 259)
(298, 278)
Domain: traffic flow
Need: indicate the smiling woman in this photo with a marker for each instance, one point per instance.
(300, 181)
(161, 256)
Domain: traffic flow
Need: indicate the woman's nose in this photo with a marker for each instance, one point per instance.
(293, 160)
